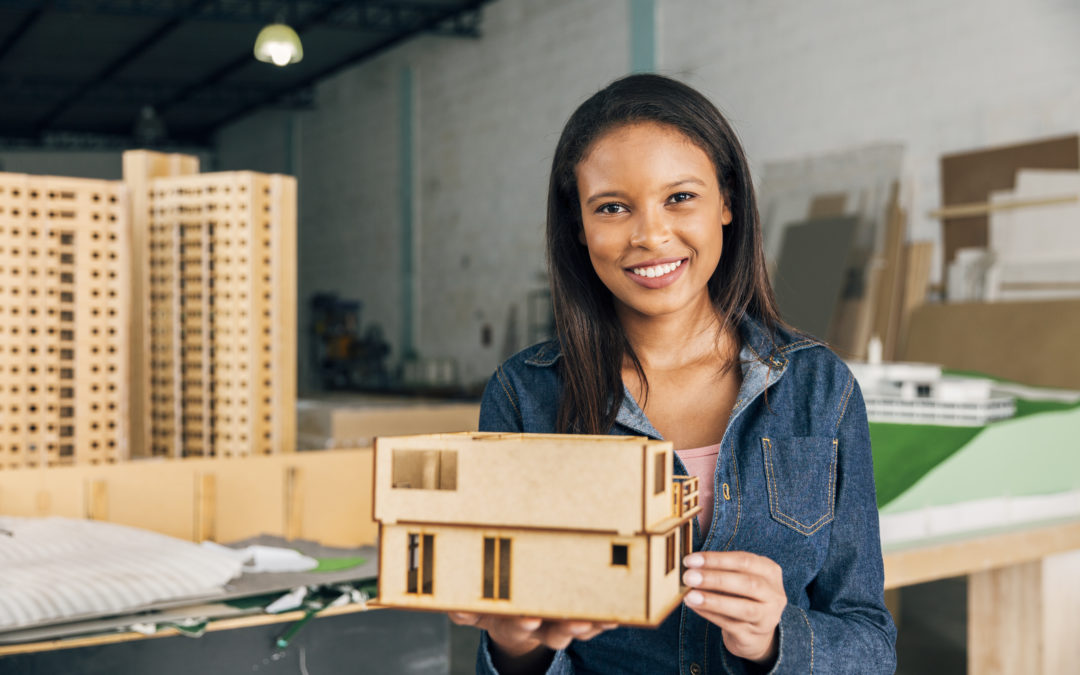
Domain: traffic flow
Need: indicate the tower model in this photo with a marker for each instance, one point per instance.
(63, 317)
(154, 316)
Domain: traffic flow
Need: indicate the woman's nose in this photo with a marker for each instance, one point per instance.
(651, 228)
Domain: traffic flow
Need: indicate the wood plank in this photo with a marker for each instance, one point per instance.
(920, 564)
(1005, 620)
(213, 626)
(985, 208)
(250, 495)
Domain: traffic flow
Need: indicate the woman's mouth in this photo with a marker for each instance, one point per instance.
(657, 275)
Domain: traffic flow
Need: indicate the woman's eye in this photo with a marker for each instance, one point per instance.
(681, 197)
(609, 209)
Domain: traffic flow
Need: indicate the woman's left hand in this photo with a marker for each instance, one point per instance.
(743, 594)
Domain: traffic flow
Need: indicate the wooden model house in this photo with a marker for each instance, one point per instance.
(559, 526)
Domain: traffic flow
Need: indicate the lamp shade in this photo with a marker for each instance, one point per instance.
(278, 44)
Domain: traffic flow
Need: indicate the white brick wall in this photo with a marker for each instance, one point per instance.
(796, 79)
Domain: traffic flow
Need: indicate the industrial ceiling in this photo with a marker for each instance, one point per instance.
(79, 73)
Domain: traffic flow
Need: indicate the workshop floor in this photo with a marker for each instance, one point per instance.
(931, 640)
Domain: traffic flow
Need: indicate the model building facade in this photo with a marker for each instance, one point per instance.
(587, 527)
(221, 314)
(150, 316)
(63, 319)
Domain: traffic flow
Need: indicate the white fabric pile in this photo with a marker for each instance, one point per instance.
(52, 569)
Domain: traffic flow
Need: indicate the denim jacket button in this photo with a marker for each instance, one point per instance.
(695, 669)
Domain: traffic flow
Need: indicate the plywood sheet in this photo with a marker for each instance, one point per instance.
(811, 271)
(1029, 342)
(253, 495)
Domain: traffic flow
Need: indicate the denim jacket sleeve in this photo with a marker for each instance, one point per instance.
(847, 628)
(500, 407)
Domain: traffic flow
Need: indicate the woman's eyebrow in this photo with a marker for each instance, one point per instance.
(690, 180)
(603, 195)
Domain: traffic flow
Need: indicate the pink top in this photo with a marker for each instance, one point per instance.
(701, 462)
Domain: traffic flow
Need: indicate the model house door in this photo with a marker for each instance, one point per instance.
(421, 564)
(497, 568)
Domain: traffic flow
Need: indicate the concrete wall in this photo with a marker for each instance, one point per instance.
(795, 79)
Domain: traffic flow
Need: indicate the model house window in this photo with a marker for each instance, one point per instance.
(497, 568)
(670, 553)
(619, 555)
(421, 564)
(685, 546)
(661, 473)
(425, 469)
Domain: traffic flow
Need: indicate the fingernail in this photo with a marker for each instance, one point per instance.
(694, 560)
(692, 578)
(694, 598)
(579, 629)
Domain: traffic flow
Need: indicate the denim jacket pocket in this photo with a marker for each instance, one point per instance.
(800, 473)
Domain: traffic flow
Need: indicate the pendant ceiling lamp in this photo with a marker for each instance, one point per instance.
(278, 44)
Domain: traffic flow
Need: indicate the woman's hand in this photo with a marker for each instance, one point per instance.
(525, 642)
(743, 594)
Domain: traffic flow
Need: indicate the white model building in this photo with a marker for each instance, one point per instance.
(918, 393)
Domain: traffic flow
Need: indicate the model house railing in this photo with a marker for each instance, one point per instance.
(684, 495)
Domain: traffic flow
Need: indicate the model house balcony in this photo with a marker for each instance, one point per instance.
(684, 496)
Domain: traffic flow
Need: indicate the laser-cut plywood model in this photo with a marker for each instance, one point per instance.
(220, 296)
(558, 526)
(63, 314)
(152, 316)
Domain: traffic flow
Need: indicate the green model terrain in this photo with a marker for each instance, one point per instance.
(1035, 452)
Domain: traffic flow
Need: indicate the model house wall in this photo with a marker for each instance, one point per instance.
(533, 524)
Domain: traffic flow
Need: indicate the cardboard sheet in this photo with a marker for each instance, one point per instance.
(811, 270)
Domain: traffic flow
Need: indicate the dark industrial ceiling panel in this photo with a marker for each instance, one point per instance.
(82, 71)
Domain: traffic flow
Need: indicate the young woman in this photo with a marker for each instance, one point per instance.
(667, 328)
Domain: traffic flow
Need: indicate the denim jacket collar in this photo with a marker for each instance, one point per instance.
(763, 360)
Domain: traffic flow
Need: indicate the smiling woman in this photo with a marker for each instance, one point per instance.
(667, 328)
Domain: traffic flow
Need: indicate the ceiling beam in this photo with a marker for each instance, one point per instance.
(49, 92)
(366, 15)
(27, 21)
(235, 65)
(113, 67)
(473, 7)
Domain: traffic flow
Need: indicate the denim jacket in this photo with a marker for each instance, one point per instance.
(794, 482)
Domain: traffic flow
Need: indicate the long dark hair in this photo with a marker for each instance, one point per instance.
(592, 339)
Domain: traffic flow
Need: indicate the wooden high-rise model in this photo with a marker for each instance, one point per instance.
(64, 280)
(558, 526)
(154, 316)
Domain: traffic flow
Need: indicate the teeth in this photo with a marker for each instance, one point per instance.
(657, 270)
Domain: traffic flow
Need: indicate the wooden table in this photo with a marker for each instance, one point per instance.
(1023, 593)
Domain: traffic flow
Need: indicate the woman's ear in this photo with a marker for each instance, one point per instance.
(725, 212)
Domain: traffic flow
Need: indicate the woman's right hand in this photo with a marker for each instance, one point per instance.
(526, 644)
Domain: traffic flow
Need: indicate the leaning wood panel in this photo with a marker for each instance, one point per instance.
(248, 495)
(1029, 342)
